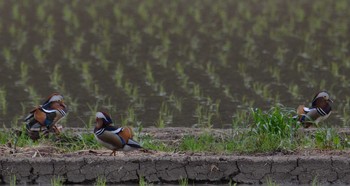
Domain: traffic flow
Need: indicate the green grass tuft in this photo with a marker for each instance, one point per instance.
(101, 181)
(56, 181)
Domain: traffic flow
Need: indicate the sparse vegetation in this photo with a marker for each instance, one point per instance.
(101, 181)
(56, 181)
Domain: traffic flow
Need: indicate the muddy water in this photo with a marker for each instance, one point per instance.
(217, 64)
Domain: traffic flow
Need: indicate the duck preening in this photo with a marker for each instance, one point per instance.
(113, 138)
(44, 118)
(321, 108)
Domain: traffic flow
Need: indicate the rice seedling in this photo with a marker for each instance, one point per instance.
(261, 90)
(86, 75)
(161, 91)
(242, 69)
(227, 92)
(149, 77)
(131, 90)
(165, 116)
(247, 102)
(335, 69)
(135, 38)
(138, 130)
(204, 116)
(223, 56)
(21, 40)
(197, 92)
(78, 43)
(40, 12)
(185, 84)
(210, 71)
(104, 62)
(71, 19)
(160, 55)
(33, 95)
(56, 79)
(180, 70)
(249, 50)
(3, 101)
(293, 89)
(9, 61)
(108, 105)
(39, 55)
(240, 118)
(344, 109)
(93, 109)
(16, 12)
(96, 92)
(130, 119)
(275, 73)
(69, 55)
(12, 30)
(49, 40)
(23, 74)
(176, 102)
(280, 54)
(118, 75)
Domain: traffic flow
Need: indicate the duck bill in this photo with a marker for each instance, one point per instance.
(330, 100)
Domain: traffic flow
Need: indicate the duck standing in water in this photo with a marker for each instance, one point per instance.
(45, 117)
(115, 139)
(320, 110)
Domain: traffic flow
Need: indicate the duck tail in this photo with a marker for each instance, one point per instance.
(133, 143)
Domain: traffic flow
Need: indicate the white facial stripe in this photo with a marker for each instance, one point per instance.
(56, 98)
(100, 115)
(323, 94)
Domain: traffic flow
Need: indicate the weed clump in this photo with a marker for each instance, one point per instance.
(274, 129)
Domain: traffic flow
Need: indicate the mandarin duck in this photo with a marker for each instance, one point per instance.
(320, 110)
(45, 117)
(115, 139)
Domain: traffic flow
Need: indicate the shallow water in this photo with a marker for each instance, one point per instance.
(219, 60)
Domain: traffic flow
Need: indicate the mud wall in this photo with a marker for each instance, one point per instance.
(170, 169)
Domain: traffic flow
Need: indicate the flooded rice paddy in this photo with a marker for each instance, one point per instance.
(198, 63)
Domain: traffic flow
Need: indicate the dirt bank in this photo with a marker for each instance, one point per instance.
(40, 164)
(85, 167)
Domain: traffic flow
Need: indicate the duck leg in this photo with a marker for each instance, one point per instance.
(113, 152)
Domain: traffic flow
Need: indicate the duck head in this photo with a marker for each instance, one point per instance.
(324, 95)
(57, 99)
(102, 120)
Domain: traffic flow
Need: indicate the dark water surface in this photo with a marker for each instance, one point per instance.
(179, 63)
